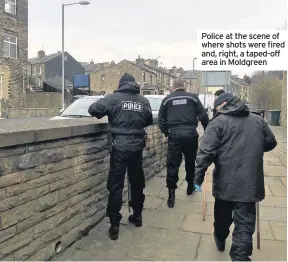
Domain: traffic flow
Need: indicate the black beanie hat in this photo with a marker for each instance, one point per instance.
(222, 98)
(126, 78)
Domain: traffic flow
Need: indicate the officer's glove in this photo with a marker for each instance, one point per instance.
(198, 188)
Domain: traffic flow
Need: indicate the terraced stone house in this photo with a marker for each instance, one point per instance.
(152, 79)
(13, 51)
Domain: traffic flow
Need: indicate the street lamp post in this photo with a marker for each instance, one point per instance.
(63, 49)
(195, 58)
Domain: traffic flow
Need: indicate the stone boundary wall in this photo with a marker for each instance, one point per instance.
(7, 112)
(32, 112)
(53, 183)
(43, 100)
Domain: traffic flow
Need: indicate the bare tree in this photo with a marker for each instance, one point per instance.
(267, 93)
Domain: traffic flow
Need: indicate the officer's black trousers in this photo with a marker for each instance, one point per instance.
(187, 145)
(244, 218)
(119, 161)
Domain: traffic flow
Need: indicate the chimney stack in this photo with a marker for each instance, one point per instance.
(153, 63)
(140, 61)
(41, 54)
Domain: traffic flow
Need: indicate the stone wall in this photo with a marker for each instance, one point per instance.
(38, 105)
(16, 25)
(5, 77)
(53, 183)
(43, 100)
(32, 112)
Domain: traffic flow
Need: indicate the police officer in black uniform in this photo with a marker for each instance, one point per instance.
(178, 119)
(128, 114)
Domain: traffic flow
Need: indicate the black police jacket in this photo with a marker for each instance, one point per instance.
(235, 140)
(128, 112)
(181, 110)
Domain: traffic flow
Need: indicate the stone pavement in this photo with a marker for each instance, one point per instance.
(179, 234)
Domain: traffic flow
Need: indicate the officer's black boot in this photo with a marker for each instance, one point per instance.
(220, 245)
(171, 198)
(136, 219)
(190, 189)
(114, 229)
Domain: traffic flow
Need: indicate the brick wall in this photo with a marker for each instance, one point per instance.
(53, 184)
(16, 25)
(284, 101)
(43, 100)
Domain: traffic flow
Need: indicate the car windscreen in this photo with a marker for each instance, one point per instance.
(79, 107)
(155, 103)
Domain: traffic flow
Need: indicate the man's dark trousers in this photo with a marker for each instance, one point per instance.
(178, 145)
(119, 161)
(244, 218)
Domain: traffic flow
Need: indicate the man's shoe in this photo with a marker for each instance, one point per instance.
(220, 245)
(136, 219)
(190, 189)
(171, 198)
(113, 232)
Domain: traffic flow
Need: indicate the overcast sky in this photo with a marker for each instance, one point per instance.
(109, 30)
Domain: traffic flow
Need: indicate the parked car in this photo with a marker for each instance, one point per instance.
(78, 109)
(155, 103)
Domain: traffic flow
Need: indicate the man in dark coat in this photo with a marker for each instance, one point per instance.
(235, 141)
(128, 114)
(178, 119)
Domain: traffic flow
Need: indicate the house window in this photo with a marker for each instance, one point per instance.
(151, 78)
(1, 86)
(34, 70)
(143, 76)
(10, 46)
(40, 70)
(10, 7)
(102, 77)
(146, 93)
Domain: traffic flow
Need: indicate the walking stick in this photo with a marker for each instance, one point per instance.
(129, 193)
(258, 225)
(204, 198)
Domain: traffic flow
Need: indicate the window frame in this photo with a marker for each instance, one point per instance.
(10, 43)
(143, 76)
(34, 70)
(11, 5)
(102, 77)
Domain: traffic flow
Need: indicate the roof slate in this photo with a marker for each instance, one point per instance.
(37, 60)
(56, 81)
(189, 74)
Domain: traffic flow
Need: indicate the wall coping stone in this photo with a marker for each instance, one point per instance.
(13, 134)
